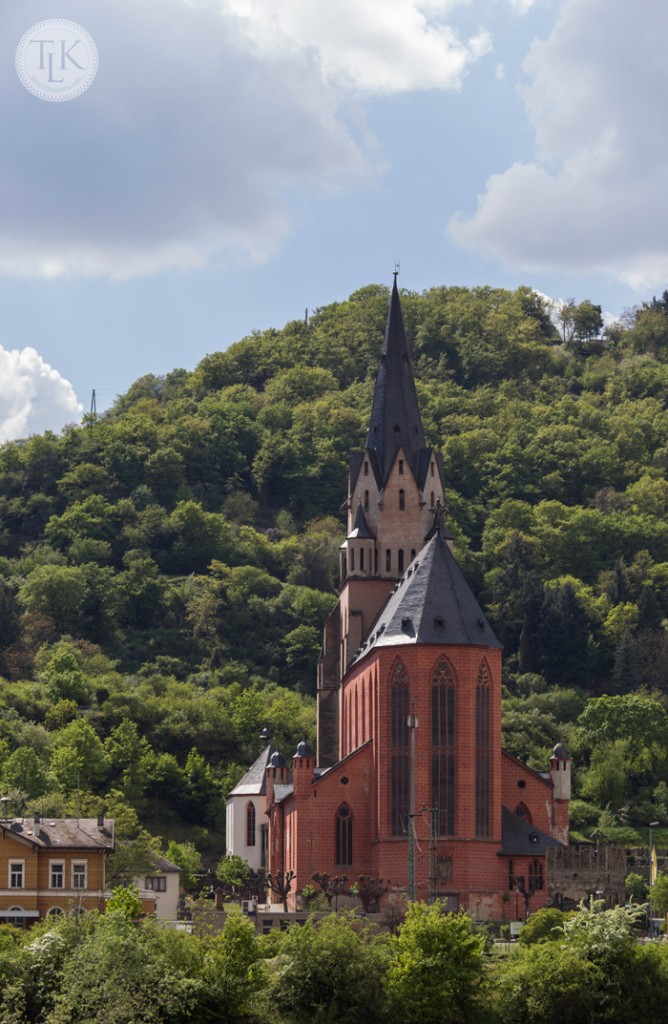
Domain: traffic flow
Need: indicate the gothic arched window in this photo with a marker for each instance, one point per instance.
(344, 837)
(399, 741)
(443, 747)
(522, 811)
(402, 499)
(250, 824)
(483, 753)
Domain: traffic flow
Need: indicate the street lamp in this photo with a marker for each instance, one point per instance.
(652, 879)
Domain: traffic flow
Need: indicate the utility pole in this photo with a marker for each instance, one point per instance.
(412, 724)
(433, 863)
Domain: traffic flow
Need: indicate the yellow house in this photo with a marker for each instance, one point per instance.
(52, 866)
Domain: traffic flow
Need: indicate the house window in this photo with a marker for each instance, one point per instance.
(157, 883)
(388, 561)
(400, 556)
(55, 912)
(16, 917)
(400, 755)
(16, 874)
(402, 499)
(344, 837)
(482, 751)
(56, 875)
(79, 874)
(443, 747)
(352, 559)
(250, 824)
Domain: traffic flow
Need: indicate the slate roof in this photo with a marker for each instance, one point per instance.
(431, 604)
(282, 791)
(395, 414)
(254, 782)
(161, 863)
(360, 530)
(63, 833)
(521, 839)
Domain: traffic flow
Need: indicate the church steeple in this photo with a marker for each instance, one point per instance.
(395, 417)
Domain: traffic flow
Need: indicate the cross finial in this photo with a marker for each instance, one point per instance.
(439, 517)
(397, 267)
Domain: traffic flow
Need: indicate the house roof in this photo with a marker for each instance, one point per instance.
(282, 791)
(519, 838)
(254, 782)
(395, 415)
(161, 863)
(62, 833)
(431, 604)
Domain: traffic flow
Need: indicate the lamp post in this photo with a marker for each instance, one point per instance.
(412, 724)
(652, 879)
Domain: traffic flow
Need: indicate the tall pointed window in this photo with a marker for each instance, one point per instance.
(402, 500)
(443, 748)
(388, 561)
(400, 754)
(400, 560)
(483, 753)
(250, 824)
(344, 837)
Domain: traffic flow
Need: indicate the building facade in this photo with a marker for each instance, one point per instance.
(409, 765)
(51, 867)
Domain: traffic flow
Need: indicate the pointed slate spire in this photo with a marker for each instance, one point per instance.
(360, 530)
(395, 415)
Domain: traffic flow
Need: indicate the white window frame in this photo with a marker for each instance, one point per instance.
(57, 864)
(151, 883)
(77, 867)
(55, 912)
(10, 871)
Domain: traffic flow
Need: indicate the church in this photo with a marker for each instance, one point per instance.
(409, 783)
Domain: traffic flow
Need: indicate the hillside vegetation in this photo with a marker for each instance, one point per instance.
(165, 568)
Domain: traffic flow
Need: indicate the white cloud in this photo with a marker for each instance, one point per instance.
(593, 199)
(33, 396)
(378, 47)
(203, 119)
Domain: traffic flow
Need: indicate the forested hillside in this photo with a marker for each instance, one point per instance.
(165, 568)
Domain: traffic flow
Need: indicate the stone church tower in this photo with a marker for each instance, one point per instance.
(393, 487)
(409, 700)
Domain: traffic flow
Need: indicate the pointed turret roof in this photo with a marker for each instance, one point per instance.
(395, 415)
(254, 782)
(360, 530)
(431, 604)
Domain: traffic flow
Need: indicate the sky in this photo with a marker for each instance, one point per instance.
(235, 162)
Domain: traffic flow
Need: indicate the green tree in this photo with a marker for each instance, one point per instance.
(330, 971)
(658, 894)
(437, 974)
(125, 900)
(187, 857)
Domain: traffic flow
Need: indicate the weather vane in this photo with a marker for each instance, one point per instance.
(397, 267)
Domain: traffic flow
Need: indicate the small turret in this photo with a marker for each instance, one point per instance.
(560, 772)
(302, 769)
